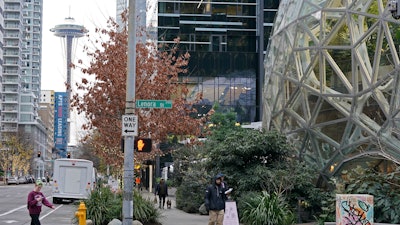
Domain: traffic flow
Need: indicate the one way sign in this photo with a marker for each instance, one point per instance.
(129, 125)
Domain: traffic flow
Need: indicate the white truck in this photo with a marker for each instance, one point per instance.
(72, 179)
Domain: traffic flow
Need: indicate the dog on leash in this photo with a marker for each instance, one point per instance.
(169, 204)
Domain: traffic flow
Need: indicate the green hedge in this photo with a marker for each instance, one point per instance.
(103, 205)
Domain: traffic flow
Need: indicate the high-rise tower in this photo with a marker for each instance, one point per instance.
(69, 31)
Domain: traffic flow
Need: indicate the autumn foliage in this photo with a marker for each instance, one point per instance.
(104, 93)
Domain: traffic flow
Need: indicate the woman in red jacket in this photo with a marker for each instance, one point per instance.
(35, 201)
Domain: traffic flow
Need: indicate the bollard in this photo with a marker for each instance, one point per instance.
(81, 214)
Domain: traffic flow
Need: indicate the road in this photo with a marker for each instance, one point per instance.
(13, 209)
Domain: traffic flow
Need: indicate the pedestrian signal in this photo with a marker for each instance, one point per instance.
(143, 145)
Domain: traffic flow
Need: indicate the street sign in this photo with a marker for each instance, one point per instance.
(155, 104)
(129, 125)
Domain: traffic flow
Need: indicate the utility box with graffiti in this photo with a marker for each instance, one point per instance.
(354, 209)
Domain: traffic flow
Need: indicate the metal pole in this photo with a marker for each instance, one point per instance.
(127, 204)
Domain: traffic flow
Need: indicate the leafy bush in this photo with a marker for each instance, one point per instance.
(266, 209)
(144, 209)
(103, 205)
(190, 194)
(190, 177)
(382, 185)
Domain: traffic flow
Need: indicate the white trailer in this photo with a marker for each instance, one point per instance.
(72, 179)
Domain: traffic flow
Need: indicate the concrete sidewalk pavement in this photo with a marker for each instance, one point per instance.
(175, 216)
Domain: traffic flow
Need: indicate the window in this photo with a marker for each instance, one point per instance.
(218, 43)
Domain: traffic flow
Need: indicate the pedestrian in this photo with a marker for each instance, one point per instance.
(215, 201)
(35, 201)
(47, 179)
(162, 192)
(138, 183)
(223, 182)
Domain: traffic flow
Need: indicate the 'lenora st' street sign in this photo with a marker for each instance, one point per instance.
(157, 104)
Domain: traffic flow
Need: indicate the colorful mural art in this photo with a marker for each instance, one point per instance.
(354, 209)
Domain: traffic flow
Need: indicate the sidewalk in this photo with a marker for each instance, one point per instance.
(175, 216)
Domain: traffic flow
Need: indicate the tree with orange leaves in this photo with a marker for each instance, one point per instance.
(104, 92)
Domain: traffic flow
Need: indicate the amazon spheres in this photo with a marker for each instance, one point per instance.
(332, 82)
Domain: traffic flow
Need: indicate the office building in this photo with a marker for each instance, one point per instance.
(226, 41)
(122, 5)
(145, 14)
(46, 114)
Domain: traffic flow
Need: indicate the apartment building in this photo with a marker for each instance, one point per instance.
(1, 45)
(21, 78)
(12, 70)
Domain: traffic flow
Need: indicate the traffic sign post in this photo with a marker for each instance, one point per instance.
(155, 104)
(129, 125)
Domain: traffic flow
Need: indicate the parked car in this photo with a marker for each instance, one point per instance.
(30, 179)
(12, 180)
(22, 180)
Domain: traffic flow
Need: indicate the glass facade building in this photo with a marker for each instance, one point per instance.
(332, 81)
(226, 42)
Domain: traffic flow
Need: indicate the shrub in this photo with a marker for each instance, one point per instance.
(267, 209)
(190, 194)
(144, 209)
(104, 205)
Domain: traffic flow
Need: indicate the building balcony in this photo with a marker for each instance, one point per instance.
(10, 44)
(9, 109)
(16, 1)
(11, 63)
(10, 81)
(10, 101)
(6, 128)
(12, 26)
(9, 71)
(12, 8)
(11, 54)
(9, 120)
(10, 90)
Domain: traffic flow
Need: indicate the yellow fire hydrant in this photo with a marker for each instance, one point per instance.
(81, 214)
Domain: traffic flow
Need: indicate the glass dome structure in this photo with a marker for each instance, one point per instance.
(332, 81)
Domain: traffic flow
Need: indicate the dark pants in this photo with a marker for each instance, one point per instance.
(162, 198)
(35, 219)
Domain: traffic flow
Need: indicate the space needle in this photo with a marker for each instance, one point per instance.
(68, 32)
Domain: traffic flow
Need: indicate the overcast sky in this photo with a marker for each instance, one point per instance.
(89, 13)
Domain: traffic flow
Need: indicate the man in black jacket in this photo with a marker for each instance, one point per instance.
(162, 192)
(215, 201)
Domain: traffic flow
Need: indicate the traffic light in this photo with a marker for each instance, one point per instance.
(38, 154)
(142, 145)
(68, 155)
